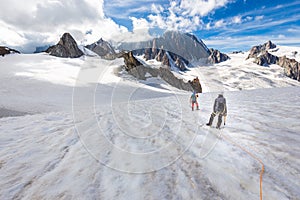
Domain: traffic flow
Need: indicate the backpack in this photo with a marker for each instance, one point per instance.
(220, 104)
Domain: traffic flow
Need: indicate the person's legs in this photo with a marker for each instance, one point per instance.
(219, 120)
(211, 119)
(197, 105)
(193, 105)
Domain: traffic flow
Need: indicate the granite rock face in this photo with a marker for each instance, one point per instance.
(291, 67)
(264, 58)
(103, 49)
(138, 70)
(173, 49)
(195, 83)
(256, 50)
(130, 61)
(216, 56)
(6, 50)
(65, 48)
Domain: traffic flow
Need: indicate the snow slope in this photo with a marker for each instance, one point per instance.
(290, 52)
(127, 139)
(241, 74)
(237, 73)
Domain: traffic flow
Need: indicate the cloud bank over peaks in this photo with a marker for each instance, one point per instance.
(201, 7)
(27, 24)
(184, 15)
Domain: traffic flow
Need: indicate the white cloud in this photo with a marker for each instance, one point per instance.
(31, 23)
(173, 20)
(185, 15)
(122, 9)
(294, 30)
(139, 23)
(156, 8)
(281, 36)
(237, 20)
(249, 18)
(201, 7)
(220, 23)
(208, 26)
(224, 23)
(140, 32)
(9, 35)
(260, 17)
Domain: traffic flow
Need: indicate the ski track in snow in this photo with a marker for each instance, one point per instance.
(43, 156)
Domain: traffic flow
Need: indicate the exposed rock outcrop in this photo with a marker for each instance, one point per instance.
(65, 48)
(265, 59)
(167, 58)
(216, 56)
(237, 52)
(5, 50)
(138, 70)
(256, 50)
(195, 83)
(130, 61)
(291, 67)
(103, 49)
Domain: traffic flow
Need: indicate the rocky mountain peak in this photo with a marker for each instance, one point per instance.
(173, 49)
(264, 58)
(65, 48)
(256, 50)
(102, 48)
(100, 41)
(216, 56)
(291, 67)
(66, 39)
(138, 70)
(269, 45)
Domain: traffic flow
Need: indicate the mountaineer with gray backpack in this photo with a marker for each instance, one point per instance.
(220, 109)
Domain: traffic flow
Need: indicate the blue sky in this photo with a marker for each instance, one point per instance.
(241, 22)
(226, 25)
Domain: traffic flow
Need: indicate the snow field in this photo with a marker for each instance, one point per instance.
(128, 139)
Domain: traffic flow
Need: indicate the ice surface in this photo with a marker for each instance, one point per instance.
(130, 139)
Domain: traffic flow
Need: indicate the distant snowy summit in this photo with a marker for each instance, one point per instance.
(65, 48)
(174, 49)
(102, 48)
(265, 55)
(6, 50)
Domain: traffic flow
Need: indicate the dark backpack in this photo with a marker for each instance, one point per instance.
(220, 104)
